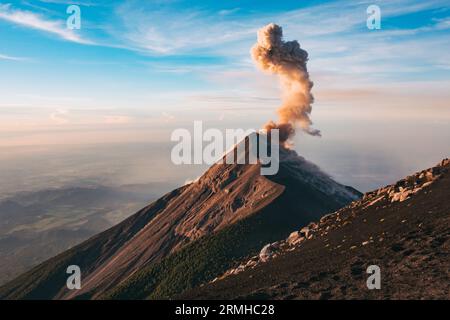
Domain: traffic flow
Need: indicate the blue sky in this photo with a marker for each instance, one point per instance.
(151, 55)
(138, 69)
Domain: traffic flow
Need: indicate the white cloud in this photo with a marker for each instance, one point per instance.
(59, 116)
(37, 22)
(147, 28)
(12, 58)
(70, 2)
(226, 12)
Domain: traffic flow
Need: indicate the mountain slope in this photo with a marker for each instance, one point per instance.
(403, 228)
(225, 196)
(209, 256)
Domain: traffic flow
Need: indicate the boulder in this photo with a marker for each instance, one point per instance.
(294, 238)
(306, 232)
(267, 252)
(314, 226)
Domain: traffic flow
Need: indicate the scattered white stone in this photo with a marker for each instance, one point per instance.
(266, 252)
(293, 237)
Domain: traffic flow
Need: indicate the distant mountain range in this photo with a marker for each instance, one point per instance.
(35, 226)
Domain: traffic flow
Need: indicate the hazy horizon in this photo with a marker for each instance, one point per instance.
(129, 77)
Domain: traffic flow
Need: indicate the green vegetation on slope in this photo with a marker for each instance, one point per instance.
(204, 259)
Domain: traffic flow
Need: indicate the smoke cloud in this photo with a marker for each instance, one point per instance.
(288, 61)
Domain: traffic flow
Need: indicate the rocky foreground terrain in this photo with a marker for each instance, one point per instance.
(403, 228)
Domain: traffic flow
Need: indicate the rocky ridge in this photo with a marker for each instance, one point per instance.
(400, 191)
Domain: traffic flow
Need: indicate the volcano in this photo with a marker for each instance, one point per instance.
(403, 229)
(190, 235)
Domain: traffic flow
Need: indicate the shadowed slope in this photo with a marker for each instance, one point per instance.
(402, 228)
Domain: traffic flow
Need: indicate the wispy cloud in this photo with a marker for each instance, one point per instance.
(226, 12)
(35, 21)
(146, 28)
(58, 116)
(86, 3)
(12, 58)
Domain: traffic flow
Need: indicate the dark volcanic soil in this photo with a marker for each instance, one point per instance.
(408, 240)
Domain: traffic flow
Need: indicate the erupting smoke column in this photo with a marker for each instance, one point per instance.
(288, 61)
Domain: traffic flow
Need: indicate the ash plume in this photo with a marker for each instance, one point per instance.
(288, 61)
